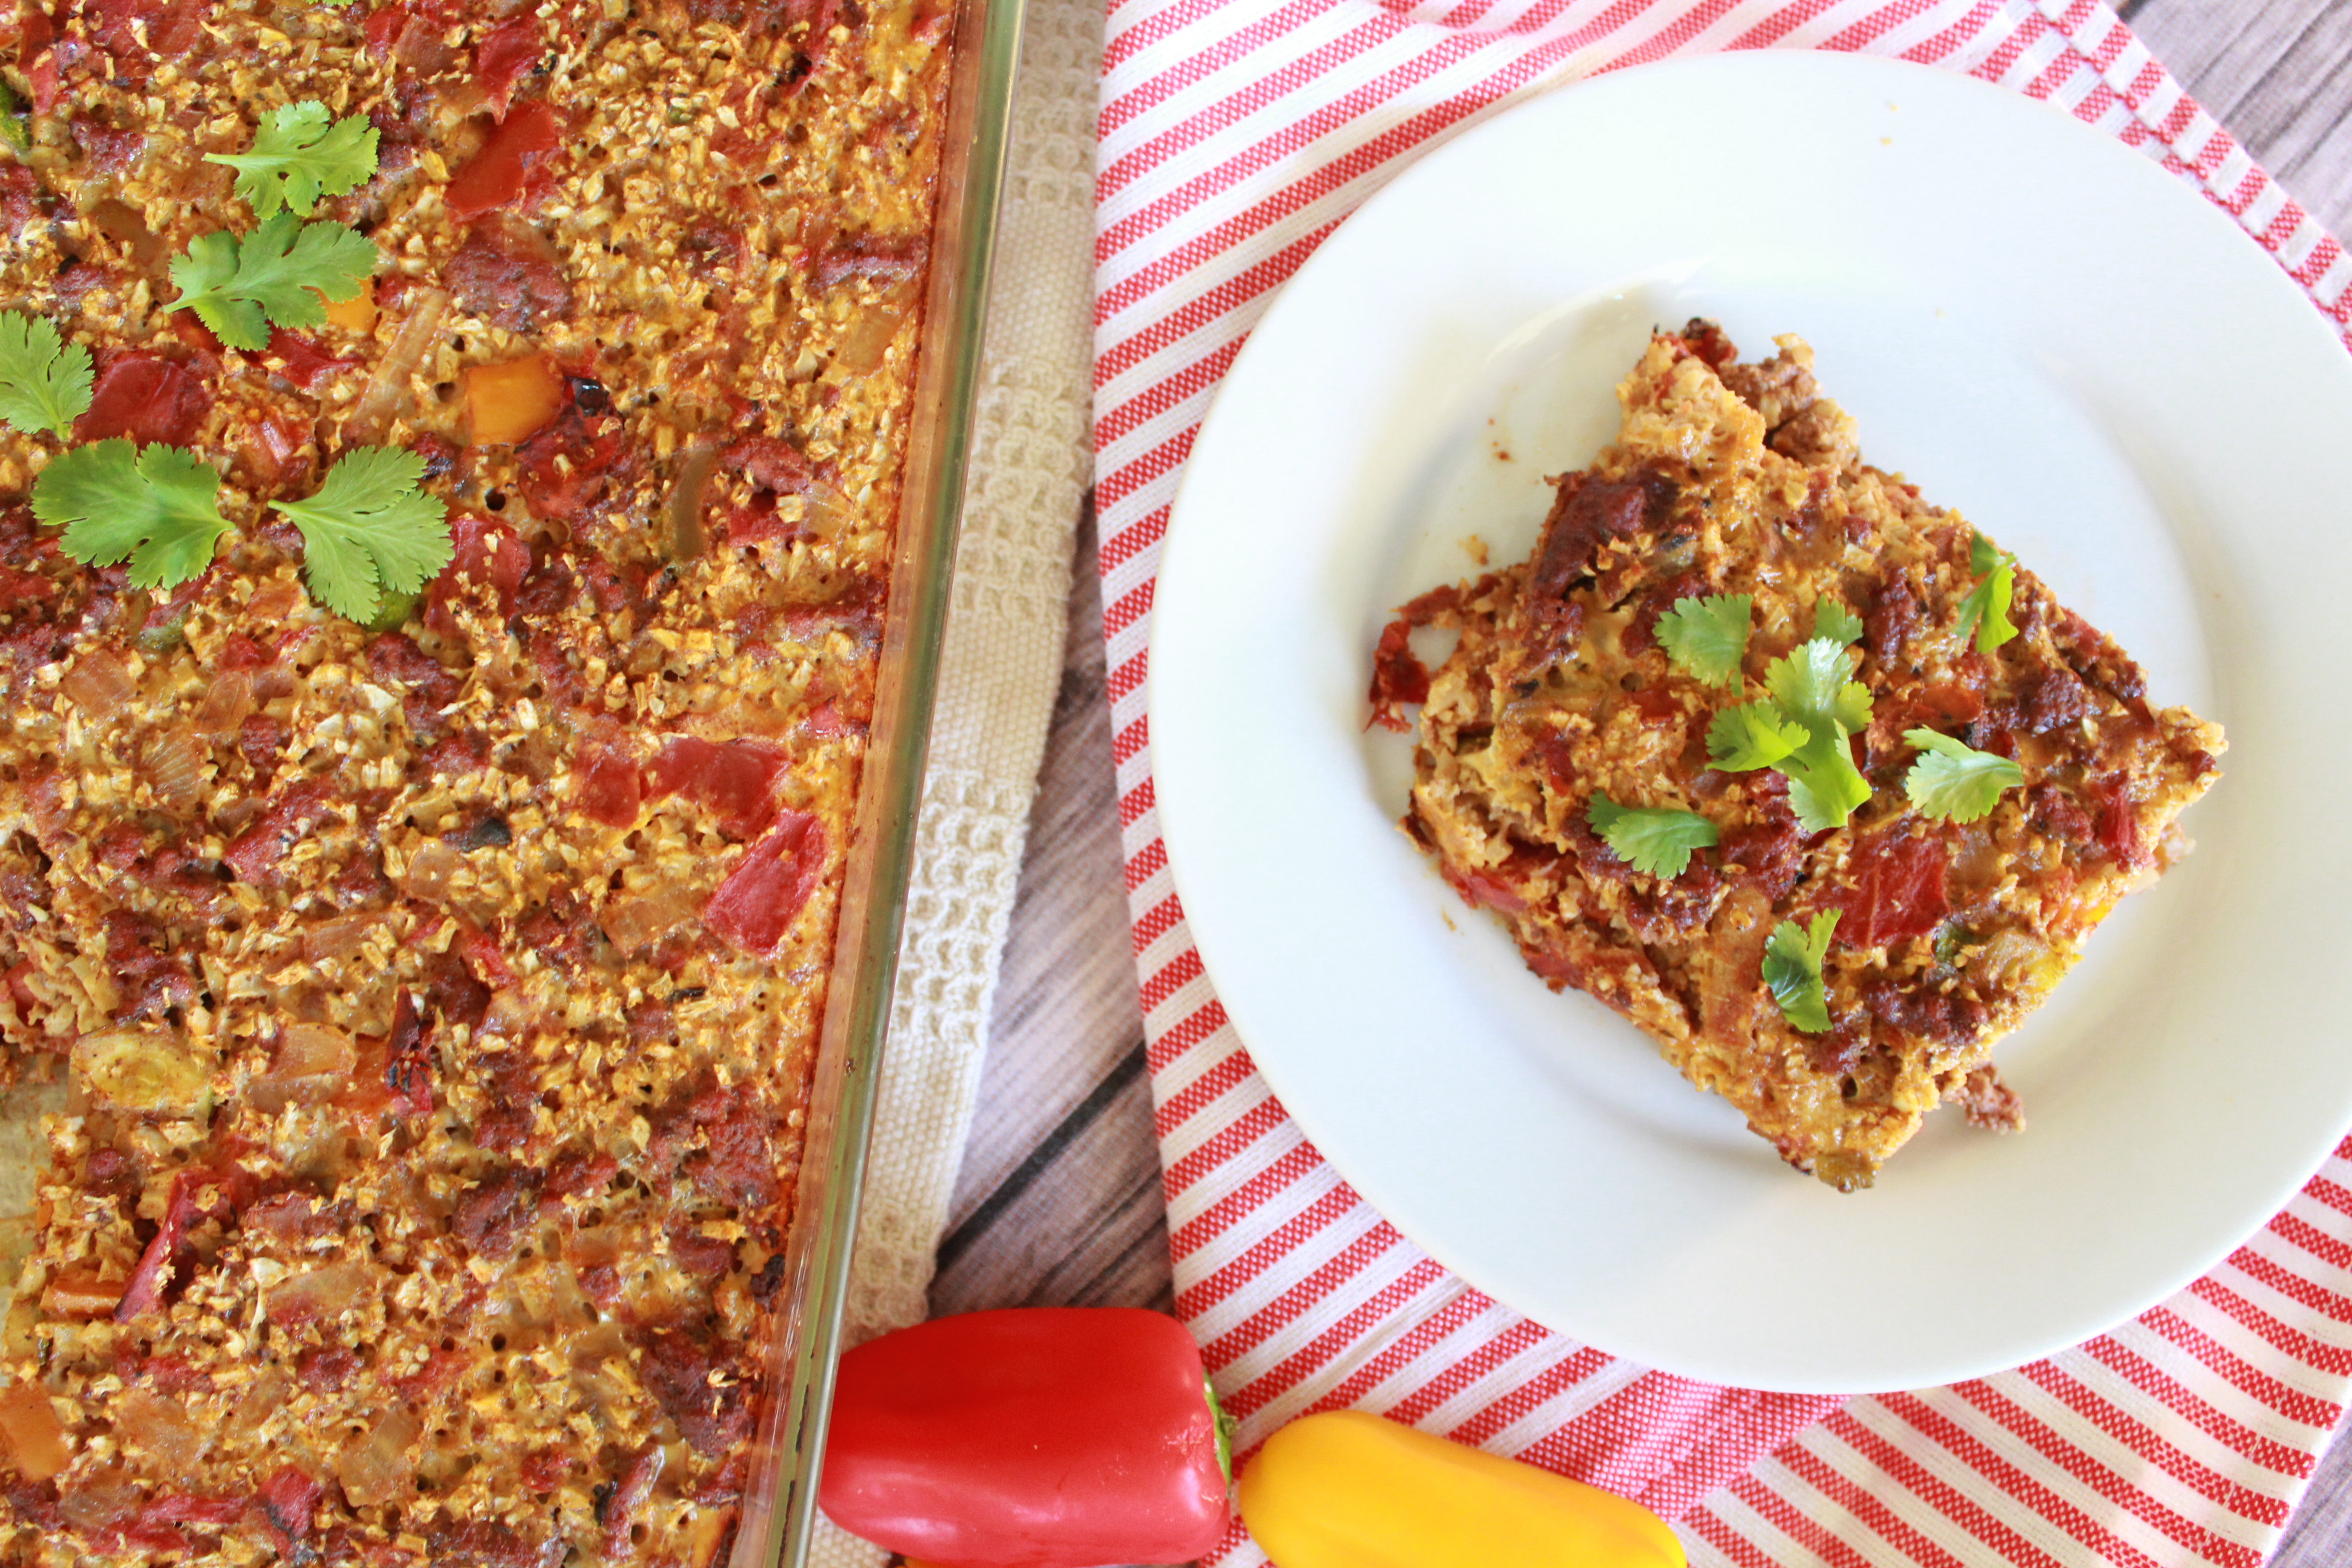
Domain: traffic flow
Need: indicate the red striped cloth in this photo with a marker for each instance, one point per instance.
(1234, 136)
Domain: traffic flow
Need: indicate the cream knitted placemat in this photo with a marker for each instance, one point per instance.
(1030, 463)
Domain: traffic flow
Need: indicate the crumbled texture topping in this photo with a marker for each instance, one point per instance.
(1732, 479)
(434, 1001)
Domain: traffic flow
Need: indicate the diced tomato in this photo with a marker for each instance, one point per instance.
(382, 27)
(735, 782)
(20, 196)
(611, 790)
(20, 588)
(41, 76)
(146, 397)
(1656, 705)
(291, 813)
(483, 955)
(761, 523)
(506, 54)
(509, 167)
(828, 722)
(486, 551)
(306, 359)
(1897, 891)
(287, 1501)
(172, 28)
(568, 465)
(758, 902)
(544, 1471)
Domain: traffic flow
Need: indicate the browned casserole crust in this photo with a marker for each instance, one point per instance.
(1742, 479)
(434, 1004)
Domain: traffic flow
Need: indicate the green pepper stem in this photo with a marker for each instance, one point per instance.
(1226, 1426)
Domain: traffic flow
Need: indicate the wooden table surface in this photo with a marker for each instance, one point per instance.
(1058, 1201)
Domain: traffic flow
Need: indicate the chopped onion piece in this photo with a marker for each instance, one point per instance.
(375, 1468)
(429, 871)
(174, 760)
(228, 702)
(100, 683)
(386, 392)
(634, 920)
(321, 1293)
(867, 340)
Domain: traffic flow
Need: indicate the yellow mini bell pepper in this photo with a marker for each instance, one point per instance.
(1348, 1490)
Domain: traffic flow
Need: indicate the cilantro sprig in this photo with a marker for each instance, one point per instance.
(274, 276)
(45, 380)
(299, 156)
(1792, 969)
(157, 507)
(1706, 639)
(1986, 609)
(1956, 783)
(1802, 730)
(368, 531)
(1655, 840)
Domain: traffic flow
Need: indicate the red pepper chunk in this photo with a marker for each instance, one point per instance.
(501, 174)
(1036, 1437)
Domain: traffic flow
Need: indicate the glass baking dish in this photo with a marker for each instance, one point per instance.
(780, 1500)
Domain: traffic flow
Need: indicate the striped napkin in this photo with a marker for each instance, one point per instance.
(1235, 135)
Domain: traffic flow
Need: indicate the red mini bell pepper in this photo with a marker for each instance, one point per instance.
(1037, 1438)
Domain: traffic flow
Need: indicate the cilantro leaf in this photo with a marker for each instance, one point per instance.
(1751, 735)
(369, 531)
(1986, 609)
(1706, 639)
(297, 157)
(1955, 783)
(1984, 555)
(1813, 685)
(1834, 621)
(275, 275)
(45, 380)
(1826, 789)
(159, 508)
(1654, 841)
(1792, 968)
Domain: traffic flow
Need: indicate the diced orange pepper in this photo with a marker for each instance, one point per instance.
(29, 1429)
(356, 314)
(512, 401)
(1348, 1490)
(81, 1293)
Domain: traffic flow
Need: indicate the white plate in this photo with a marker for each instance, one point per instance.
(2040, 328)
